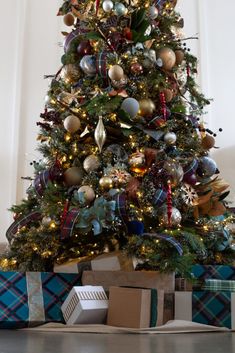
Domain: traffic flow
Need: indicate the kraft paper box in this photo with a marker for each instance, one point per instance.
(143, 279)
(33, 298)
(205, 307)
(135, 307)
(114, 261)
(73, 266)
(85, 305)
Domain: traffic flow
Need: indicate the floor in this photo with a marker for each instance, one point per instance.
(35, 342)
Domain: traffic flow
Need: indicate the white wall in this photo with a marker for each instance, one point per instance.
(29, 50)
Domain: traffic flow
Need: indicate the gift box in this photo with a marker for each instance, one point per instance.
(73, 266)
(136, 279)
(218, 285)
(114, 261)
(183, 284)
(85, 305)
(33, 298)
(135, 307)
(205, 307)
(221, 272)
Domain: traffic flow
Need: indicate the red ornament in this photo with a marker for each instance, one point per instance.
(84, 48)
(169, 203)
(127, 33)
(163, 105)
(137, 69)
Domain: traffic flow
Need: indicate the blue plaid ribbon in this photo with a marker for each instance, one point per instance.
(167, 238)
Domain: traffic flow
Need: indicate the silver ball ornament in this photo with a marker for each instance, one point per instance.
(107, 5)
(72, 123)
(130, 106)
(170, 138)
(153, 12)
(91, 163)
(88, 65)
(120, 9)
(175, 217)
(46, 221)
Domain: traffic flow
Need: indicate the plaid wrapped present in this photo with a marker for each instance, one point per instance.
(33, 298)
(205, 307)
(221, 272)
(217, 285)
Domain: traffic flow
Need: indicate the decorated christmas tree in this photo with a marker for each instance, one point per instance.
(125, 151)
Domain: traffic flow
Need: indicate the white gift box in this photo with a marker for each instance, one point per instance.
(85, 305)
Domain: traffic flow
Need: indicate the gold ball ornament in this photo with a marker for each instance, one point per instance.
(208, 142)
(72, 123)
(89, 193)
(168, 58)
(106, 183)
(91, 163)
(147, 107)
(179, 55)
(116, 73)
(70, 73)
(69, 19)
(73, 176)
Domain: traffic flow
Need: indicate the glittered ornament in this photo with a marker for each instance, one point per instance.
(153, 12)
(175, 218)
(116, 73)
(100, 134)
(130, 106)
(189, 195)
(147, 107)
(208, 142)
(179, 54)
(84, 48)
(207, 167)
(174, 172)
(106, 183)
(89, 194)
(137, 159)
(46, 221)
(168, 58)
(91, 163)
(120, 9)
(73, 176)
(119, 176)
(70, 73)
(69, 19)
(170, 138)
(107, 5)
(72, 123)
(136, 68)
(88, 65)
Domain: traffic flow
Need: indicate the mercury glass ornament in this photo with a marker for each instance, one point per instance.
(89, 194)
(168, 58)
(100, 134)
(153, 12)
(175, 217)
(130, 106)
(120, 9)
(91, 163)
(116, 73)
(175, 172)
(72, 123)
(88, 65)
(170, 138)
(107, 5)
(73, 176)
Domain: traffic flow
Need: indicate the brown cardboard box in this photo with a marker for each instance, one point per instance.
(143, 279)
(183, 285)
(114, 261)
(129, 307)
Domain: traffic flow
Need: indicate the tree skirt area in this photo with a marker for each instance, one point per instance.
(175, 326)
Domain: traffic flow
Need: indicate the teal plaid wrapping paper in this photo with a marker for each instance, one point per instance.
(217, 285)
(33, 298)
(222, 272)
(212, 308)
